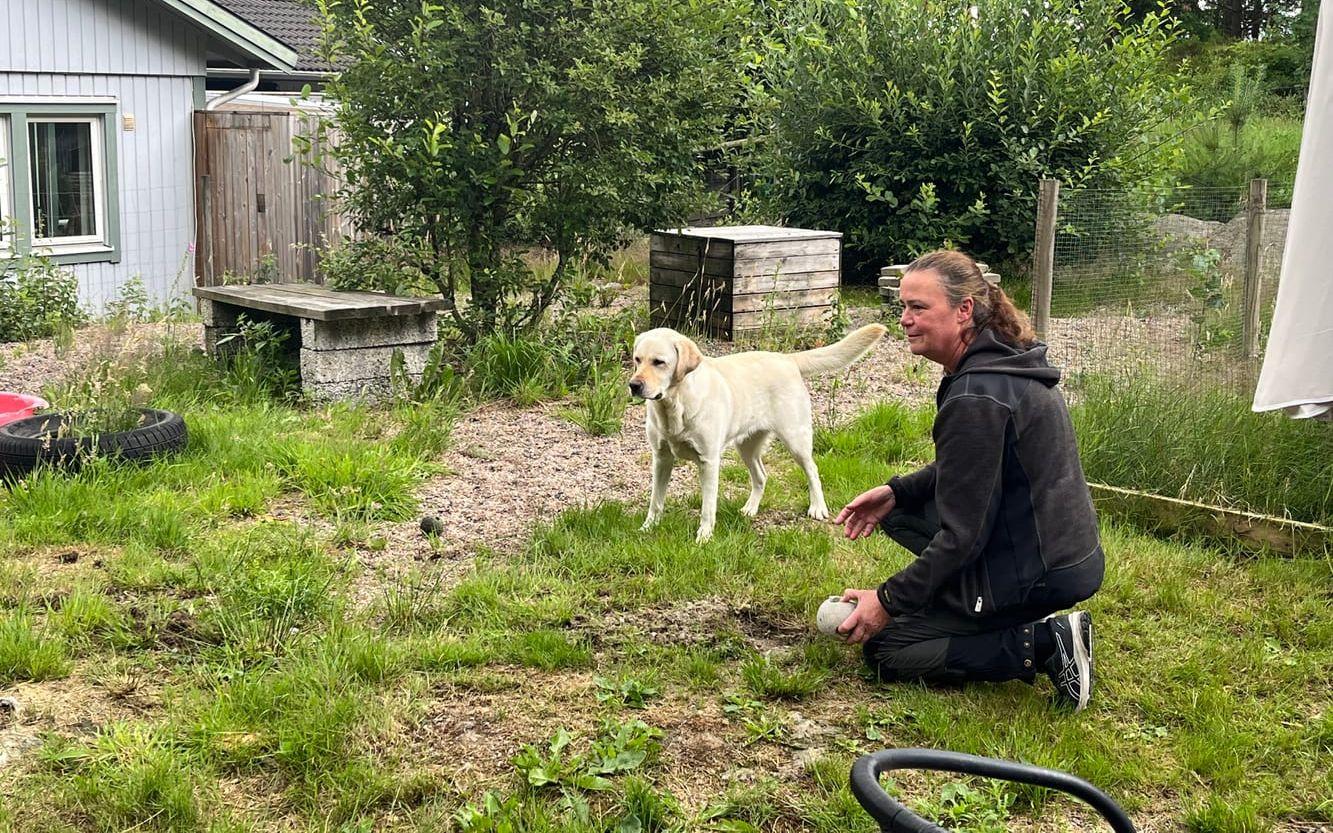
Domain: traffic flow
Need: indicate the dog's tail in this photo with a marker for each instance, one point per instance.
(840, 355)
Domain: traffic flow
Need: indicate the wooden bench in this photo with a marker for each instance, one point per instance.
(346, 339)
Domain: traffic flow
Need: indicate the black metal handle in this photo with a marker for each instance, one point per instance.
(893, 817)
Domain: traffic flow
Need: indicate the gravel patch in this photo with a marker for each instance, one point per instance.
(32, 366)
(510, 468)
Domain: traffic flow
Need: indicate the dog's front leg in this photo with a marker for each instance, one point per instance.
(663, 461)
(708, 470)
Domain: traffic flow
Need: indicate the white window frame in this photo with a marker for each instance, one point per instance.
(84, 242)
(6, 187)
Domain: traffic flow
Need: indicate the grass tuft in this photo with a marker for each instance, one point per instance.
(27, 654)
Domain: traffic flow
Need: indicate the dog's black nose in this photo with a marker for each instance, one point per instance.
(636, 388)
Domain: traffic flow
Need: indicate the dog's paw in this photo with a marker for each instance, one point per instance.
(749, 510)
(704, 535)
(819, 513)
(648, 524)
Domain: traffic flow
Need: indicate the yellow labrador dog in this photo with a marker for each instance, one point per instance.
(697, 406)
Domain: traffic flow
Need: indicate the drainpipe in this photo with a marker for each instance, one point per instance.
(247, 87)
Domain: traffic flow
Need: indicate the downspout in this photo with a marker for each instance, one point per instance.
(247, 87)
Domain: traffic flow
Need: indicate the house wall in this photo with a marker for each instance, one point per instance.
(98, 37)
(151, 63)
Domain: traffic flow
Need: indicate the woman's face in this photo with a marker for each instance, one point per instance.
(934, 329)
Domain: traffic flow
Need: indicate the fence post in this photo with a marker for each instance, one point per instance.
(1043, 255)
(1255, 211)
(205, 243)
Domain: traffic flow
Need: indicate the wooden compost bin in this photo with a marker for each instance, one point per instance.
(725, 280)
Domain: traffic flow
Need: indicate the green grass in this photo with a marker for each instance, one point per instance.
(768, 680)
(246, 671)
(27, 653)
(1206, 446)
(131, 776)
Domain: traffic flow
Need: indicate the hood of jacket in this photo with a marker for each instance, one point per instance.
(988, 354)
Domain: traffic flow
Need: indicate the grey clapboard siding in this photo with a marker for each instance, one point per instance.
(148, 59)
(98, 37)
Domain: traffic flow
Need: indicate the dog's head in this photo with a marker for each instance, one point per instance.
(662, 358)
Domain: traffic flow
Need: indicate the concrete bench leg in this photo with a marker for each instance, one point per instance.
(219, 320)
(351, 358)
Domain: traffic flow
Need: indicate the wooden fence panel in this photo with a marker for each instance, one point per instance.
(261, 210)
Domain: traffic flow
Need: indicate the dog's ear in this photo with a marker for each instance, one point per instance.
(687, 358)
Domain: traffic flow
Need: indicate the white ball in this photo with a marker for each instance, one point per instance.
(832, 613)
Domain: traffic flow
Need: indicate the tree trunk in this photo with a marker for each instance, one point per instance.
(486, 291)
(1232, 18)
(1258, 19)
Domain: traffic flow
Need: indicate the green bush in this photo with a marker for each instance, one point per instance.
(1216, 157)
(1238, 142)
(37, 298)
(1283, 62)
(476, 131)
(381, 264)
(906, 125)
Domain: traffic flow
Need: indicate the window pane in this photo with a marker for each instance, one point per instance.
(63, 196)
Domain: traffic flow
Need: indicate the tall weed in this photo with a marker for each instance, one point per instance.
(1205, 445)
(600, 404)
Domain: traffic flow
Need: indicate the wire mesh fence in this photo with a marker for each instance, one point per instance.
(1154, 282)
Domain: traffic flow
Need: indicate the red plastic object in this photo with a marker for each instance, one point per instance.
(15, 406)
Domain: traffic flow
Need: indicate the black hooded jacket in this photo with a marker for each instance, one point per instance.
(1017, 526)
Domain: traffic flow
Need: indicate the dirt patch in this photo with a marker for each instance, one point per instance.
(473, 735)
(473, 732)
(76, 706)
(512, 468)
(690, 623)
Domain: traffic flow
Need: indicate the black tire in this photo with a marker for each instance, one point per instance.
(28, 443)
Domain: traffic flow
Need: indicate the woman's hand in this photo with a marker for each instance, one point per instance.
(862, 516)
(867, 620)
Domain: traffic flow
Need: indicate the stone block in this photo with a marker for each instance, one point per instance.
(372, 390)
(212, 335)
(355, 333)
(362, 364)
(218, 314)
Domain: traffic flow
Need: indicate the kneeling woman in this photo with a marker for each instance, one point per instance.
(1001, 523)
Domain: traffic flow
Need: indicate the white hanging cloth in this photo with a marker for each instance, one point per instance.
(1297, 375)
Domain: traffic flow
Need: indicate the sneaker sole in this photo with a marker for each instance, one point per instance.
(1081, 624)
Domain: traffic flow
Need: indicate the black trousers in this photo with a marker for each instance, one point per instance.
(939, 645)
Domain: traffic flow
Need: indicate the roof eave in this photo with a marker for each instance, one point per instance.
(238, 33)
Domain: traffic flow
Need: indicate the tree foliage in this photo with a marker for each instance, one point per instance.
(477, 130)
(908, 125)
